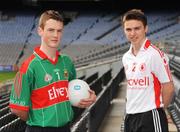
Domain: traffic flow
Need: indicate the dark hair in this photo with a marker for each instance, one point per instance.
(49, 14)
(134, 14)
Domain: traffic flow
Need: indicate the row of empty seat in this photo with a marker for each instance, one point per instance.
(87, 28)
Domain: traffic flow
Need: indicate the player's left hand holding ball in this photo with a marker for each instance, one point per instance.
(88, 101)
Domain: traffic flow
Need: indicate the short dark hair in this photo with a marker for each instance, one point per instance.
(134, 14)
(49, 14)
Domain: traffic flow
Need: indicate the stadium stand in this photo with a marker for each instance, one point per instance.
(95, 42)
(94, 33)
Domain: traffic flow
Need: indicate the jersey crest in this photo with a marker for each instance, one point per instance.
(142, 67)
(65, 73)
(47, 77)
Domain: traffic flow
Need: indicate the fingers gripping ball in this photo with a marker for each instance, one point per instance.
(77, 90)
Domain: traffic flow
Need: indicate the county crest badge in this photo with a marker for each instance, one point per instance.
(65, 73)
(47, 77)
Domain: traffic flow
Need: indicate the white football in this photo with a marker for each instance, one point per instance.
(77, 90)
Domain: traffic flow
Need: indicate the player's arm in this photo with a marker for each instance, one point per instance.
(23, 115)
(167, 93)
(20, 94)
(160, 62)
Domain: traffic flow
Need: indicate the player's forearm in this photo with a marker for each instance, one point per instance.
(167, 93)
(23, 115)
(167, 101)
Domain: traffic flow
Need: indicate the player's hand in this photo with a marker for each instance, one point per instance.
(88, 101)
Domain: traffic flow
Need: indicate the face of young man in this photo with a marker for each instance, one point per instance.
(135, 31)
(52, 33)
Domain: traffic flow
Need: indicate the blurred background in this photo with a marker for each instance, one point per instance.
(93, 37)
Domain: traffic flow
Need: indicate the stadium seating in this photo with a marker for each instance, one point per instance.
(89, 38)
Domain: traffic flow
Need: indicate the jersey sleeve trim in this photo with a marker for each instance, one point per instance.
(165, 63)
(19, 107)
(25, 65)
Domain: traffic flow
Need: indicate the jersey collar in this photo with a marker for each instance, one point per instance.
(145, 45)
(43, 56)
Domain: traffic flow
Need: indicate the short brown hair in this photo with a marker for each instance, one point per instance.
(134, 14)
(49, 14)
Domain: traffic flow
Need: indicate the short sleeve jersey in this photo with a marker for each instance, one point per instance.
(40, 87)
(144, 73)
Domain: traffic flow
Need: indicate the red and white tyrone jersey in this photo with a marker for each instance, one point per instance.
(145, 72)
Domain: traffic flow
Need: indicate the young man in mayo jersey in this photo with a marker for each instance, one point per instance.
(39, 93)
(149, 81)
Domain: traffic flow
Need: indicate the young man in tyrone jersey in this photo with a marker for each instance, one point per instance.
(149, 81)
(39, 93)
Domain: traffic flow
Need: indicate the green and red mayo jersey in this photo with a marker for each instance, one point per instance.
(40, 87)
